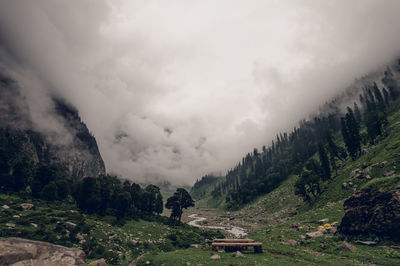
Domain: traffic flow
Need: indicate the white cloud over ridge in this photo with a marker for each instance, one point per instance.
(176, 89)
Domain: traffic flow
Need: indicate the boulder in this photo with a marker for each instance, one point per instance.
(70, 226)
(290, 242)
(239, 254)
(100, 262)
(390, 173)
(347, 247)
(367, 243)
(79, 236)
(314, 234)
(215, 257)
(10, 225)
(26, 206)
(21, 251)
(5, 207)
(324, 221)
(372, 212)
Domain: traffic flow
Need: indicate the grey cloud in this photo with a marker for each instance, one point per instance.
(176, 89)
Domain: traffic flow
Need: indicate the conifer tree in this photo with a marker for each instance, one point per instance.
(323, 157)
(357, 113)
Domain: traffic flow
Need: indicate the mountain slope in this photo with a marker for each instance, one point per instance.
(67, 144)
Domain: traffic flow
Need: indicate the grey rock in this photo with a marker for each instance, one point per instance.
(70, 226)
(345, 246)
(5, 206)
(18, 251)
(372, 212)
(290, 242)
(100, 262)
(239, 254)
(324, 221)
(314, 234)
(367, 243)
(215, 257)
(27, 206)
(390, 173)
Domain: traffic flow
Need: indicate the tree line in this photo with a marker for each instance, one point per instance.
(313, 150)
(104, 195)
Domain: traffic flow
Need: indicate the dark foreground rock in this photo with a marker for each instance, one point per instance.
(372, 212)
(18, 251)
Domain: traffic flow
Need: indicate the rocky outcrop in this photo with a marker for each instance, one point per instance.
(372, 212)
(18, 251)
(68, 143)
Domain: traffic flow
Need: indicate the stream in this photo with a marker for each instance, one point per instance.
(234, 230)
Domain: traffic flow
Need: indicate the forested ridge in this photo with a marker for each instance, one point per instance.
(316, 148)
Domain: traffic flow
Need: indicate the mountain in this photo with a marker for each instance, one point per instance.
(68, 144)
(316, 148)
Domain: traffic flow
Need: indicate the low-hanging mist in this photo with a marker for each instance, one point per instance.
(173, 90)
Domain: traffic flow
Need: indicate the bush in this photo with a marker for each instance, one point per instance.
(111, 257)
(184, 239)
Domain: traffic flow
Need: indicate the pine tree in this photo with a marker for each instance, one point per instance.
(385, 96)
(357, 113)
(323, 157)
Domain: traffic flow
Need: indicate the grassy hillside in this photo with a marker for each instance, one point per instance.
(99, 237)
(280, 219)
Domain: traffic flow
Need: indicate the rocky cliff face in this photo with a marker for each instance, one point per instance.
(372, 212)
(70, 145)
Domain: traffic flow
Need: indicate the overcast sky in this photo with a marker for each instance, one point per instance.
(177, 89)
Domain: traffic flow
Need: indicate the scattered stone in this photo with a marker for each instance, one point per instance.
(16, 216)
(324, 221)
(356, 173)
(368, 177)
(194, 245)
(331, 230)
(10, 225)
(70, 226)
(367, 243)
(347, 247)
(344, 185)
(113, 237)
(19, 251)
(294, 226)
(390, 173)
(334, 223)
(134, 242)
(314, 234)
(239, 254)
(79, 236)
(382, 164)
(26, 206)
(290, 242)
(215, 257)
(147, 262)
(302, 237)
(100, 262)
(34, 225)
(5, 207)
